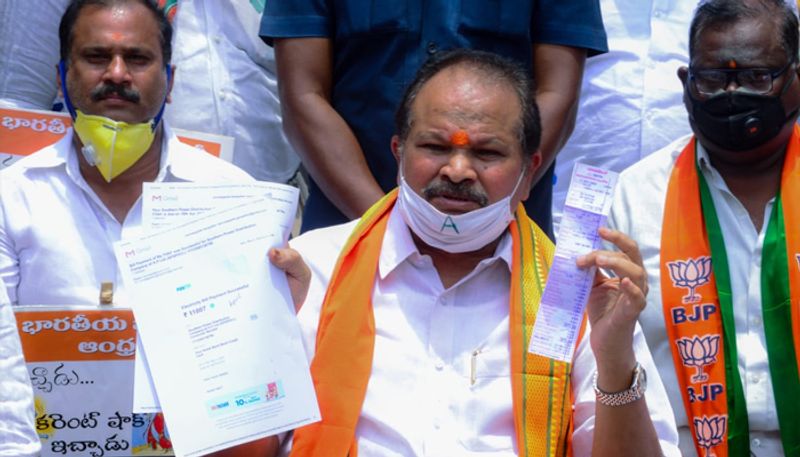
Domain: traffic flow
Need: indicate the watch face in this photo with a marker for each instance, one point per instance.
(642, 379)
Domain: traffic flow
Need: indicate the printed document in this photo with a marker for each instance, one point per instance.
(173, 203)
(218, 326)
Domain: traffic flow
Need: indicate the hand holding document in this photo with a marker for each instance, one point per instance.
(558, 320)
(217, 321)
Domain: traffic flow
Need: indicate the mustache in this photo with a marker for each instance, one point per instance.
(461, 190)
(120, 90)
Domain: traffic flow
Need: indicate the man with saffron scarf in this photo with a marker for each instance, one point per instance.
(716, 219)
(419, 331)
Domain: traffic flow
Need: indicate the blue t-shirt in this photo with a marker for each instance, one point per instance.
(378, 45)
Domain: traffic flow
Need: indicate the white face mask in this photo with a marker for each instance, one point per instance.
(454, 233)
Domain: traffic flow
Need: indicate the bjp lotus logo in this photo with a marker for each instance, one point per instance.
(710, 431)
(691, 274)
(698, 352)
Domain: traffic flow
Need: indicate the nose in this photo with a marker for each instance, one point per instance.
(732, 83)
(459, 167)
(117, 70)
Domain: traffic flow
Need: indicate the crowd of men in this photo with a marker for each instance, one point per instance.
(429, 130)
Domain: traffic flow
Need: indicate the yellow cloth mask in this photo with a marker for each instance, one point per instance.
(112, 146)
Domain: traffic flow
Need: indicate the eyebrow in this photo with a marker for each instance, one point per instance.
(431, 135)
(475, 140)
(125, 50)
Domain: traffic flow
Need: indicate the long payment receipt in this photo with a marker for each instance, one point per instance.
(558, 320)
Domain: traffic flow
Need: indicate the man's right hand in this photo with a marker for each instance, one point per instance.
(297, 272)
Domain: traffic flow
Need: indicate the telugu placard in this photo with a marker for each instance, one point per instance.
(80, 362)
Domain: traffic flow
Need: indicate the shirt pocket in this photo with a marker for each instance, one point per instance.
(354, 17)
(491, 364)
(487, 411)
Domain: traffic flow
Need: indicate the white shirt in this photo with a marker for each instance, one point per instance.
(630, 101)
(638, 211)
(419, 400)
(17, 434)
(226, 83)
(56, 236)
(29, 52)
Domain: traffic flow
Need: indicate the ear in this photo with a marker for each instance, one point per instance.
(683, 75)
(170, 81)
(397, 148)
(397, 152)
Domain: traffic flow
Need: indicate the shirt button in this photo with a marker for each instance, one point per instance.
(756, 321)
(755, 443)
(439, 366)
(217, 39)
(432, 48)
(755, 379)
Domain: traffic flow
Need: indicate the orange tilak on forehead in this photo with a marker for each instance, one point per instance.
(116, 36)
(459, 138)
(732, 64)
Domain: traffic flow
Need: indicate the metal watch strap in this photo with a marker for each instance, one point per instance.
(629, 395)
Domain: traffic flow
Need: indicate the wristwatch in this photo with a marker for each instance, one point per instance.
(630, 395)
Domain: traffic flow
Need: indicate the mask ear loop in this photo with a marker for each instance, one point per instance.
(519, 181)
(87, 150)
(62, 74)
(793, 69)
(157, 119)
(790, 81)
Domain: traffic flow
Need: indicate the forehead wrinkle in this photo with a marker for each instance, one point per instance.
(462, 116)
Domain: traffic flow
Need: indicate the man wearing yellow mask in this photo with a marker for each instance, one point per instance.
(62, 208)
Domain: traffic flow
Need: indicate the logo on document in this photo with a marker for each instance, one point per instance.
(275, 391)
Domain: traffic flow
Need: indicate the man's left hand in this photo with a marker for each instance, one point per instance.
(615, 303)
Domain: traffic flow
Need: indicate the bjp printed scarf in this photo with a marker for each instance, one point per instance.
(698, 308)
(540, 386)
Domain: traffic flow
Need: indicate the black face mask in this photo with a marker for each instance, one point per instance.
(738, 121)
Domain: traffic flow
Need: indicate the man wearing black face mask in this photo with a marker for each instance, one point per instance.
(717, 221)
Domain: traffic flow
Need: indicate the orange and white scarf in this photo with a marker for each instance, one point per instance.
(540, 386)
